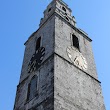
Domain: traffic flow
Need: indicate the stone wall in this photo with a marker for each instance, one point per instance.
(44, 72)
(75, 90)
(45, 89)
(47, 41)
(63, 39)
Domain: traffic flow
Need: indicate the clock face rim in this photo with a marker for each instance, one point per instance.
(77, 59)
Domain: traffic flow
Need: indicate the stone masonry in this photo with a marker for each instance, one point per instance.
(61, 85)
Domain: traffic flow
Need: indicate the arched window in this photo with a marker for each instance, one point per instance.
(32, 88)
(49, 9)
(75, 41)
(64, 9)
(38, 43)
(67, 18)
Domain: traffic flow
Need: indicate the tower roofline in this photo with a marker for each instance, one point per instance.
(63, 3)
(78, 30)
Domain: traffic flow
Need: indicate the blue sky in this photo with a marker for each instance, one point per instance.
(19, 18)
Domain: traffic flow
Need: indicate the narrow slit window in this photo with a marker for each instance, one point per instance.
(75, 42)
(38, 43)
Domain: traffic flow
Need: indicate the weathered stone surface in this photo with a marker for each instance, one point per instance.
(47, 40)
(63, 39)
(61, 85)
(74, 89)
(45, 86)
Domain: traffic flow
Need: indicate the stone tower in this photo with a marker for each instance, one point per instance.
(58, 71)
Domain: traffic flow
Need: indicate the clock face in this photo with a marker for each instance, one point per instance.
(36, 59)
(77, 58)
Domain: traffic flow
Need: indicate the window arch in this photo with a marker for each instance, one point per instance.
(32, 88)
(75, 41)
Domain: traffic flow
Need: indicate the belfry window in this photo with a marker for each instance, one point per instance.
(75, 41)
(32, 88)
(67, 18)
(49, 10)
(38, 43)
(64, 9)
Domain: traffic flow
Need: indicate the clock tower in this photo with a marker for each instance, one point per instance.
(58, 71)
